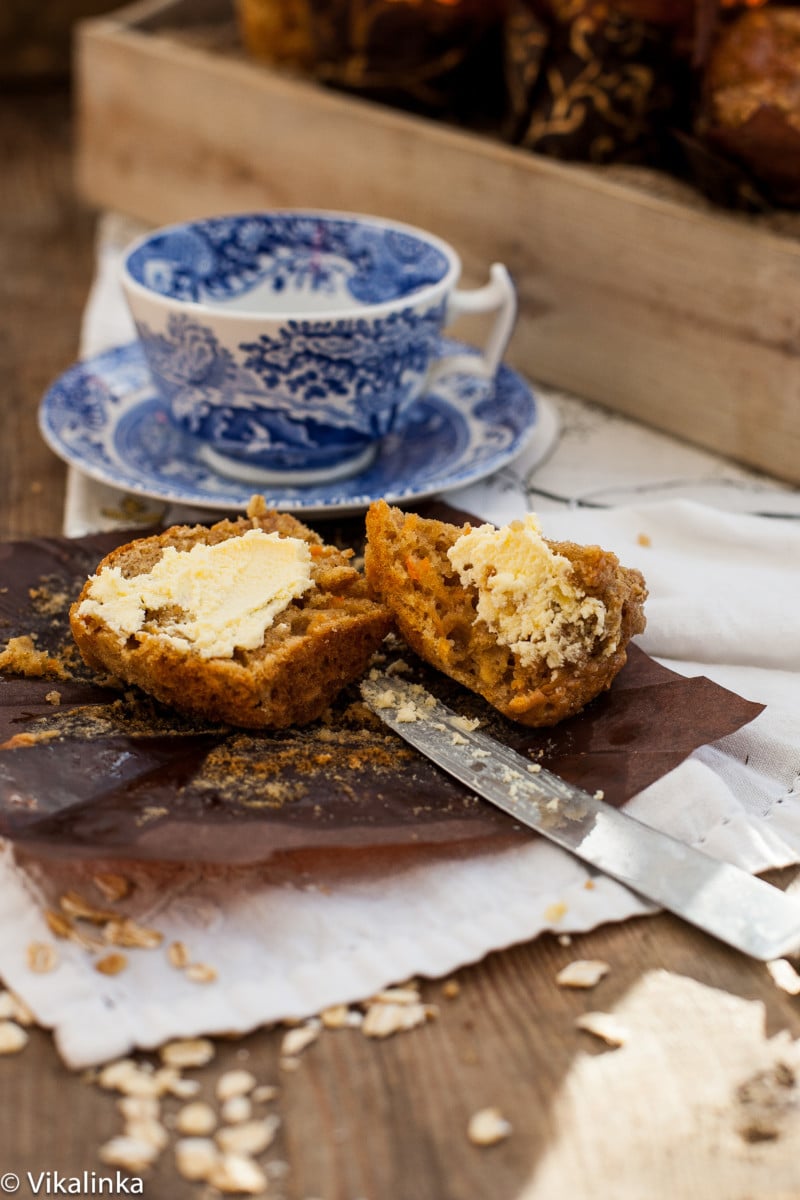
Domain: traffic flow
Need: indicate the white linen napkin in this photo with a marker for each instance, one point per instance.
(723, 586)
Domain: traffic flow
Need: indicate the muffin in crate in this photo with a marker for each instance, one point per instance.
(442, 57)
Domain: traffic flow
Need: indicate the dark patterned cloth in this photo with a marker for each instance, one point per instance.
(432, 56)
(592, 83)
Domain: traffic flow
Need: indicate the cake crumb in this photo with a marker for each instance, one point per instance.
(21, 657)
(466, 724)
(407, 714)
(644, 539)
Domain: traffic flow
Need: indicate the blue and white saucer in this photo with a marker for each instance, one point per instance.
(105, 417)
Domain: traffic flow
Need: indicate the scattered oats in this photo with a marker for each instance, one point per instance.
(355, 1019)
(12, 1008)
(450, 989)
(59, 925)
(251, 1137)
(397, 995)
(111, 886)
(183, 1089)
(111, 964)
(114, 1076)
(148, 1130)
(235, 1083)
(264, 1093)
(784, 976)
(22, 1014)
(599, 794)
(488, 1126)
(124, 931)
(582, 973)
(132, 1154)
(167, 1080)
(407, 714)
(237, 1173)
(296, 1040)
(564, 939)
(236, 1110)
(555, 912)
(13, 1037)
(289, 1064)
(74, 905)
(382, 1020)
(139, 1108)
(195, 1158)
(604, 1026)
(458, 739)
(466, 724)
(130, 1079)
(53, 697)
(196, 1119)
(335, 1017)
(201, 973)
(178, 955)
(42, 957)
(187, 1052)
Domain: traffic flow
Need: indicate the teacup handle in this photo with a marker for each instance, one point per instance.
(499, 293)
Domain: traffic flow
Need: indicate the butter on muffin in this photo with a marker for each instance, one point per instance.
(254, 622)
(538, 628)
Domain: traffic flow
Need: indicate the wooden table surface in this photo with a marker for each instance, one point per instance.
(670, 1114)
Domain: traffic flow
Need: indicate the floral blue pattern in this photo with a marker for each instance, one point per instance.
(106, 418)
(223, 258)
(317, 392)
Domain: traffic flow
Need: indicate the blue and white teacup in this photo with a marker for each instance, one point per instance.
(291, 342)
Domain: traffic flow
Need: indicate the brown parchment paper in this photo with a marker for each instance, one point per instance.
(97, 773)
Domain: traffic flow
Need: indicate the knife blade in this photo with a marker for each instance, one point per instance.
(727, 902)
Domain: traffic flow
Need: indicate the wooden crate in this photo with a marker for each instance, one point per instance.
(686, 319)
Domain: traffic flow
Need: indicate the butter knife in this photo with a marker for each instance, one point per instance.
(725, 901)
